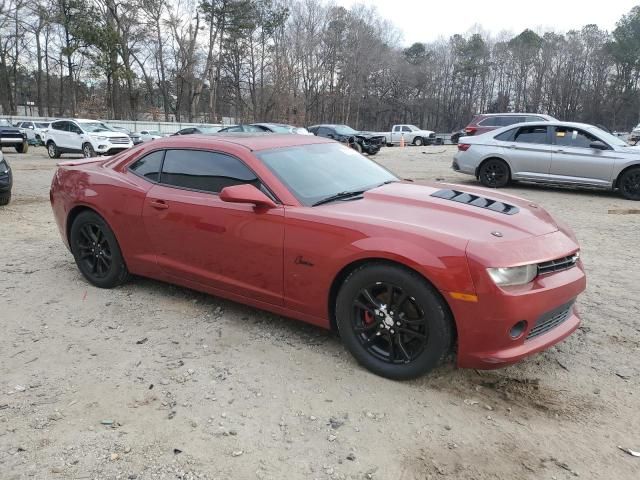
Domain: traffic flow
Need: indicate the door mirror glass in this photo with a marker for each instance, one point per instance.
(246, 194)
(598, 145)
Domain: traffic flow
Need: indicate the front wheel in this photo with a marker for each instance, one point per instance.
(52, 150)
(5, 198)
(96, 251)
(23, 147)
(393, 321)
(357, 147)
(418, 141)
(88, 151)
(494, 173)
(629, 184)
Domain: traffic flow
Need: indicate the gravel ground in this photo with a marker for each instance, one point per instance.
(152, 381)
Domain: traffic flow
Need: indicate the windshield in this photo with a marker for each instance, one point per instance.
(608, 138)
(41, 125)
(5, 123)
(345, 130)
(314, 172)
(154, 132)
(280, 128)
(413, 128)
(94, 127)
(209, 129)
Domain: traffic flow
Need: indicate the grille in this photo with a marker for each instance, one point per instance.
(432, 135)
(558, 264)
(119, 140)
(550, 320)
(476, 201)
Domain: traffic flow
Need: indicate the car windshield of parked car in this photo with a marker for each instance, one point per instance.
(154, 133)
(280, 128)
(41, 125)
(345, 130)
(315, 172)
(94, 127)
(209, 129)
(413, 128)
(609, 138)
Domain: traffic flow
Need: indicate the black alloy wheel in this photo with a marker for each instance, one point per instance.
(630, 184)
(393, 321)
(494, 173)
(96, 251)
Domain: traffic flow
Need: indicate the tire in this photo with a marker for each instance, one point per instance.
(383, 343)
(23, 147)
(418, 141)
(629, 184)
(88, 151)
(494, 173)
(357, 147)
(52, 150)
(96, 251)
(372, 152)
(5, 198)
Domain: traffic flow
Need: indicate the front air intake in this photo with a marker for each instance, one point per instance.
(476, 201)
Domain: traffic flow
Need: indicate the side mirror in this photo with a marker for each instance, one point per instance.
(598, 145)
(246, 194)
(31, 127)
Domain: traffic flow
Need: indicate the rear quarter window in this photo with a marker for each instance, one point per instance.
(149, 166)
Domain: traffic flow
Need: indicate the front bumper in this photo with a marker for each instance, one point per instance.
(12, 140)
(110, 149)
(485, 335)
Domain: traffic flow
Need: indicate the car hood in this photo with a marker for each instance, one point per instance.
(7, 129)
(414, 207)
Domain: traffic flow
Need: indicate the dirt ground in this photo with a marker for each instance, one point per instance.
(151, 381)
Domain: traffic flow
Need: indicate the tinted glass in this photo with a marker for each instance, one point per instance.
(572, 137)
(206, 171)
(313, 172)
(233, 129)
(323, 131)
(72, 127)
(510, 120)
(406, 129)
(59, 125)
(345, 130)
(506, 136)
(532, 135)
(149, 166)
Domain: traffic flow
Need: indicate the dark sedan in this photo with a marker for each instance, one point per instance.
(360, 141)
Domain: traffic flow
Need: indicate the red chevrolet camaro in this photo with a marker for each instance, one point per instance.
(305, 227)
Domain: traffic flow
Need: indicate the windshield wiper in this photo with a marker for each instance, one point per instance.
(339, 196)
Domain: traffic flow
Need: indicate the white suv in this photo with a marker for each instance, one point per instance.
(89, 137)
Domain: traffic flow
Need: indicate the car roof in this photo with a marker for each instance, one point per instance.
(546, 123)
(514, 114)
(252, 141)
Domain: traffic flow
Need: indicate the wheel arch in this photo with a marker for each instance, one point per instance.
(342, 275)
(77, 210)
(616, 182)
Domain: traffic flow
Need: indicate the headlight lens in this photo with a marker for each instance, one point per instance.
(4, 168)
(99, 138)
(513, 275)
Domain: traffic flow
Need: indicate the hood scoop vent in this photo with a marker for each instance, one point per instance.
(476, 201)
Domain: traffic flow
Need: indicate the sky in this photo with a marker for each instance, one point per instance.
(427, 20)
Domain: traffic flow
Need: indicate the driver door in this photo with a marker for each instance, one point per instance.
(74, 137)
(198, 237)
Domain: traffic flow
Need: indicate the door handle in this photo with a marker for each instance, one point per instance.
(159, 204)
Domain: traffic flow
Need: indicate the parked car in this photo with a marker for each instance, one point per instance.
(554, 153)
(241, 129)
(455, 136)
(6, 180)
(134, 136)
(634, 136)
(148, 135)
(369, 143)
(411, 134)
(204, 129)
(303, 227)
(89, 137)
(11, 136)
(34, 130)
(490, 121)
(281, 128)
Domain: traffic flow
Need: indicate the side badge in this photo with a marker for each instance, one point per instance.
(496, 234)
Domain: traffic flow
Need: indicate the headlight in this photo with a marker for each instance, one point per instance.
(4, 168)
(100, 139)
(513, 275)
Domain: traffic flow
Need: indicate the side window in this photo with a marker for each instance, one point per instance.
(406, 129)
(489, 122)
(323, 132)
(532, 135)
(144, 132)
(532, 118)
(234, 129)
(149, 166)
(572, 137)
(509, 120)
(397, 128)
(205, 171)
(73, 128)
(59, 125)
(506, 136)
(251, 128)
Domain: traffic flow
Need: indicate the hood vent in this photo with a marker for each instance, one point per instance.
(476, 201)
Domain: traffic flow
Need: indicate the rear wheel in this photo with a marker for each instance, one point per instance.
(494, 173)
(5, 198)
(357, 147)
(629, 184)
(418, 141)
(52, 150)
(392, 321)
(96, 251)
(23, 147)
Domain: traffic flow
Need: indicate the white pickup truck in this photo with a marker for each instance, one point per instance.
(412, 135)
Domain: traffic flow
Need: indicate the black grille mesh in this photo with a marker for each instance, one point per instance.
(476, 201)
(550, 320)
